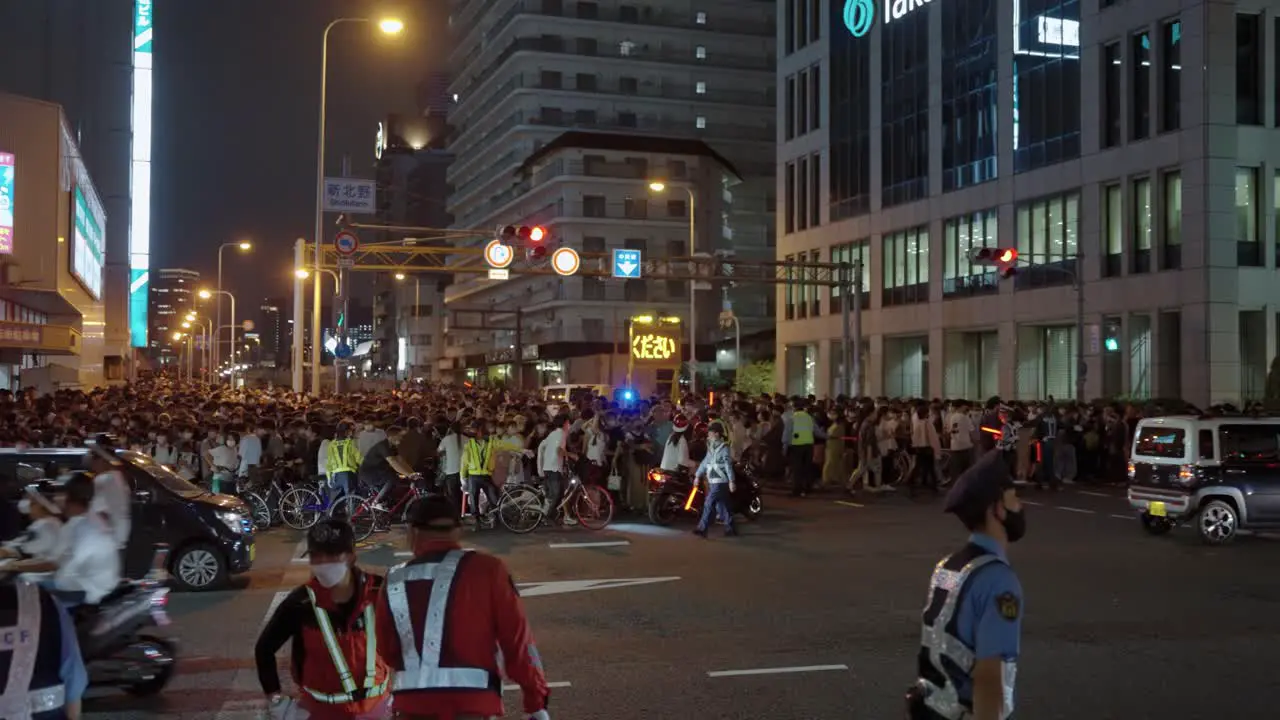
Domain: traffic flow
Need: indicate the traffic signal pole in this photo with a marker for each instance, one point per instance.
(1076, 274)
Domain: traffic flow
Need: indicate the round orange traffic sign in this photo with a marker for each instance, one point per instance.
(565, 261)
(498, 255)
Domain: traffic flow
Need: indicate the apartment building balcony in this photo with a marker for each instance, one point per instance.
(467, 22)
(627, 51)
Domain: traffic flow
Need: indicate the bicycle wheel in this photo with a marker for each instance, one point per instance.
(520, 509)
(359, 514)
(593, 507)
(300, 508)
(258, 510)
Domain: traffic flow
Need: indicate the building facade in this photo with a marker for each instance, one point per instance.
(52, 250)
(272, 333)
(173, 295)
(526, 73)
(1128, 144)
(81, 56)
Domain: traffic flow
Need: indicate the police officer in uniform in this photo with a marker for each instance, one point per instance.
(972, 621)
(798, 435)
(44, 675)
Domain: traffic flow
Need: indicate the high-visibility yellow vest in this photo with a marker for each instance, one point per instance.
(344, 456)
(801, 428)
(477, 457)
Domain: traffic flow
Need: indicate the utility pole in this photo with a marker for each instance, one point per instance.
(299, 313)
(851, 345)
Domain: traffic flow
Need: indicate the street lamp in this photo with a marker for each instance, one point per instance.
(205, 295)
(659, 187)
(303, 274)
(400, 276)
(242, 246)
(388, 26)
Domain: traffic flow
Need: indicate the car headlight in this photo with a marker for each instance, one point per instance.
(233, 520)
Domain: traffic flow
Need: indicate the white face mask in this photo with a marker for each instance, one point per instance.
(329, 574)
(24, 506)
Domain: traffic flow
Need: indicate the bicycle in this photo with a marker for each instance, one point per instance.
(522, 508)
(301, 506)
(366, 515)
(264, 497)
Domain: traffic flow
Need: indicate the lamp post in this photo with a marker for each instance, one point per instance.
(389, 26)
(205, 295)
(177, 337)
(244, 246)
(658, 186)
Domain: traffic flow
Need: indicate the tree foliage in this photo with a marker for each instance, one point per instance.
(756, 378)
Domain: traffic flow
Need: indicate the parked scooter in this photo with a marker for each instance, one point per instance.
(674, 493)
(116, 649)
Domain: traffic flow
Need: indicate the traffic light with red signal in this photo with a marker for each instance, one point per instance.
(1005, 260)
(533, 238)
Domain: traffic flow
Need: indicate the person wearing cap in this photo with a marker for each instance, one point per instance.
(40, 539)
(329, 624)
(972, 623)
(717, 468)
(440, 620)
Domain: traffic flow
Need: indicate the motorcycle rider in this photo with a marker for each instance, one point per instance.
(717, 468)
(442, 616)
(86, 565)
(329, 622)
(39, 654)
(40, 539)
(112, 498)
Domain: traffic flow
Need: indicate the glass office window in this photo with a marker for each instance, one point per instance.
(1248, 252)
(1172, 239)
(1140, 87)
(1047, 233)
(1112, 66)
(961, 237)
(906, 267)
(1249, 69)
(904, 97)
(1171, 76)
(1046, 83)
(1142, 225)
(969, 93)
(849, 130)
(1112, 230)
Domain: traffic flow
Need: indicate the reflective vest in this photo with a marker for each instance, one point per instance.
(477, 457)
(801, 428)
(422, 671)
(944, 658)
(350, 693)
(344, 456)
(33, 688)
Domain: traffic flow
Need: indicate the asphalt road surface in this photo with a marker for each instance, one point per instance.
(812, 614)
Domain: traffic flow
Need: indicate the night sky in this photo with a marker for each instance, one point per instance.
(236, 102)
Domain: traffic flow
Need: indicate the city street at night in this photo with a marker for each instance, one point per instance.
(813, 613)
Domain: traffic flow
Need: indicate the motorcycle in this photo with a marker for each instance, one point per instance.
(673, 493)
(116, 650)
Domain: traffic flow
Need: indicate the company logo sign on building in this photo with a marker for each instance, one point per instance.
(7, 183)
(860, 14)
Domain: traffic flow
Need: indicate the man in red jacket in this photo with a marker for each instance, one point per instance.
(443, 619)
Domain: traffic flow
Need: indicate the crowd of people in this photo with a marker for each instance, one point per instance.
(212, 435)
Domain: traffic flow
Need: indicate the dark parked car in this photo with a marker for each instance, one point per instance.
(210, 537)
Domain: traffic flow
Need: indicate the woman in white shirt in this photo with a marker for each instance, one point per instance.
(163, 452)
(675, 454)
(226, 458)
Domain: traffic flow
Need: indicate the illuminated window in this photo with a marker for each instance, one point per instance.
(700, 123)
(1173, 221)
(961, 236)
(1142, 225)
(1048, 232)
(700, 18)
(1112, 231)
(700, 88)
(906, 267)
(1248, 251)
(700, 52)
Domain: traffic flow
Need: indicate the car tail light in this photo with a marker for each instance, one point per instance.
(1186, 474)
(1132, 472)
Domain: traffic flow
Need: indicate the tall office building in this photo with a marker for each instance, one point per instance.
(172, 297)
(271, 333)
(565, 111)
(1130, 142)
(93, 59)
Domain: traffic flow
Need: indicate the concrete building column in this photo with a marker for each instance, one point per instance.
(937, 362)
(875, 366)
(935, 108)
(825, 364)
(1008, 333)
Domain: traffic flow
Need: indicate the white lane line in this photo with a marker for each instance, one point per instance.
(298, 551)
(1032, 503)
(846, 503)
(1076, 510)
(1090, 493)
(513, 688)
(1118, 516)
(776, 671)
(612, 543)
(245, 679)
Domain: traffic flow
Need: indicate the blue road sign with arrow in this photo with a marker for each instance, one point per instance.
(343, 350)
(626, 264)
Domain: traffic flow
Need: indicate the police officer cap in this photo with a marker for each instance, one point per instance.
(981, 485)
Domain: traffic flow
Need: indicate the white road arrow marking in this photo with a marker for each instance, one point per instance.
(559, 587)
(626, 267)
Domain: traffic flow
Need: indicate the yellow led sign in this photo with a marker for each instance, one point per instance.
(652, 346)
